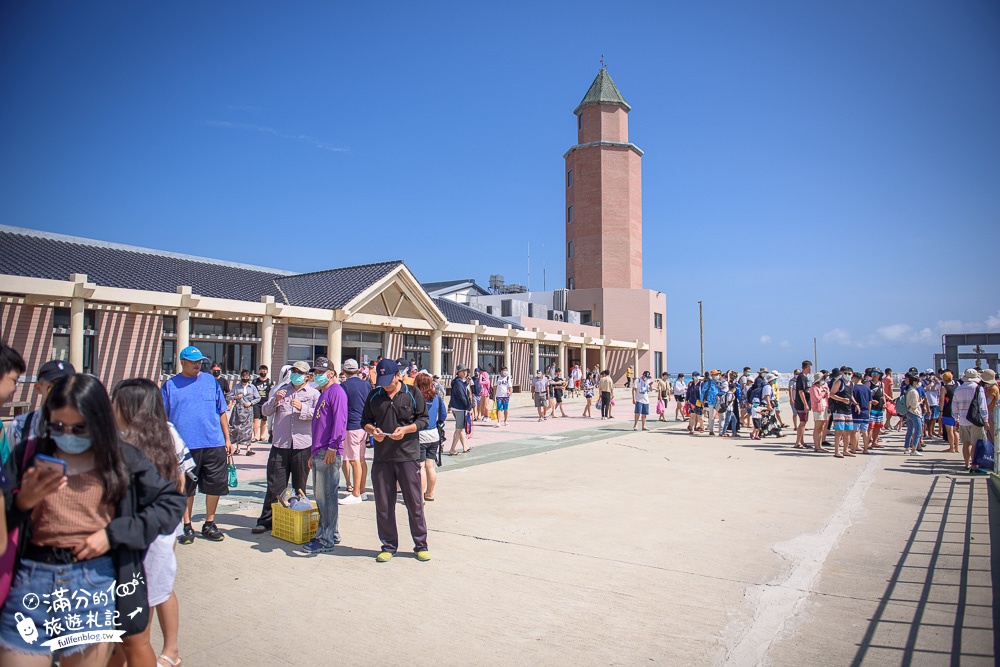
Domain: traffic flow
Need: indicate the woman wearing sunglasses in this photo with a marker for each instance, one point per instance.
(88, 506)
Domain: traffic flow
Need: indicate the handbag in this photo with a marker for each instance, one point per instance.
(233, 480)
(972, 414)
(659, 407)
(9, 556)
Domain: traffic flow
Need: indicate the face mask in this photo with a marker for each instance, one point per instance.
(216, 373)
(262, 374)
(322, 380)
(298, 379)
(245, 380)
(504, 373)
(72, 444)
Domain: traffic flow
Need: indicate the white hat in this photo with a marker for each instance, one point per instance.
(971, 375)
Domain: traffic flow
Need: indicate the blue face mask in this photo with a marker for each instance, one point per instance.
(298, 379)
(322, 380)
(72, 444)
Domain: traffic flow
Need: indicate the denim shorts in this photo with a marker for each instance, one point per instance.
(58, 600)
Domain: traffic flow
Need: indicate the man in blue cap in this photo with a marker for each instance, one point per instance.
(198, 410)
(393, 415)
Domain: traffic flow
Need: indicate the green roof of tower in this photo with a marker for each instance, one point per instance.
(603, 91)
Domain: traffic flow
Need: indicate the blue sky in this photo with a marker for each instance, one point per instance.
(798, 155)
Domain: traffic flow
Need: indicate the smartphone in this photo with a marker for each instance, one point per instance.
(44, 462)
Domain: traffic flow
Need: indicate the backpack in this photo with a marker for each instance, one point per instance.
(900, 402)
(756, 394)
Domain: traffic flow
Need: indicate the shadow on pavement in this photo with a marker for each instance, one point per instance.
(936, 607)
(237, 527)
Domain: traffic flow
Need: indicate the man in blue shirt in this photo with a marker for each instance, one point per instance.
(198, 410)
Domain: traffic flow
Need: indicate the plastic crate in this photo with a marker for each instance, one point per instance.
(295, 526)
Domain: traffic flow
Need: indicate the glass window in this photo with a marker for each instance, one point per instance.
(586, 316)
(300, 353)
(371, 337)
(167, 357)
(569, 283)
(410, 341)
(506, 308)
(60, 347)
(569, 214)
(241, 329)
(579, 122)
(169, 324)
(201, 326)
(658, 320)
(570, 248)
(657, 364)
(61, 318)
(569, 178)
(305, 333)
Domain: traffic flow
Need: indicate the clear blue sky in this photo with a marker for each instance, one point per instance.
(796, 153)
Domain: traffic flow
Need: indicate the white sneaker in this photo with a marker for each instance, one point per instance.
(350, 500)
(917, 452)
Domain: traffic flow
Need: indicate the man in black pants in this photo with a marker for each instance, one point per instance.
(393, 415)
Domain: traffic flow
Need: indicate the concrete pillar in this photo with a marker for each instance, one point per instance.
(583, 354)
(534, 355)
(635, 366)
(562, 354)
(604, 357)
(334, 342)
(76, 333)
(436, 359)
(508, 358)
(475, 346)
(266, 343)
(183, 335)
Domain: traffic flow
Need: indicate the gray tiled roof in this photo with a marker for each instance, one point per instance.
(448, 284)
(603, 91)
(25, 252)
(334, 288)
(459, 313)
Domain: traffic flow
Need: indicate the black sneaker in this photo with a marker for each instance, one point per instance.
(187, 537)
(211, 532)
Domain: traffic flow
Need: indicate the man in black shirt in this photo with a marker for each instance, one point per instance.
(800, 402)
(263, 384)
(393, 415)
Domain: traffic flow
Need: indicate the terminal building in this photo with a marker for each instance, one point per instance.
(119, 311)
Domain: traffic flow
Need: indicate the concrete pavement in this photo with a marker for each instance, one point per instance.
(581, 542)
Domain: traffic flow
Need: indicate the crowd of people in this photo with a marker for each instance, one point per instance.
(99, 487)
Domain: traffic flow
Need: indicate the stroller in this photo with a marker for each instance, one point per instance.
(769, 425)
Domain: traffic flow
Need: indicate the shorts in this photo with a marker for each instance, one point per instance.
(459, 419)
(503, 403)
(820, 416)
(212, 470)
(876, 418)
(558, 396)
(860, 424)
(680, 398)
(429, 450)
(39, 579)
(698, 410)
(256, 415)
(948, 421)
(642, 408)
(803, 415)
(842, 422)
(161, 568)
(935, 413)
(354, 444)
(969, 433)
(756, 423)
(541, 400)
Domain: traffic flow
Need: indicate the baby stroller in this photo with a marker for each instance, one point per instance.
(769, 425)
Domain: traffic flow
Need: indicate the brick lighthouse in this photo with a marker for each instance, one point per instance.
(603, 194)
(604, 228)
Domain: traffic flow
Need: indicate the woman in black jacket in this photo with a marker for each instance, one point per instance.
(87, 507)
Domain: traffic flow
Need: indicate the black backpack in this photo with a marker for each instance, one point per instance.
(972, 414)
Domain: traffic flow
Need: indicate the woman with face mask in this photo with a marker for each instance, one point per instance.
(88, 507)
(242, 398)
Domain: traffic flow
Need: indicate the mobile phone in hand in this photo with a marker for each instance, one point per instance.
(50, 463)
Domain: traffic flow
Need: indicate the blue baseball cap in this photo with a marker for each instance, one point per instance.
(385, 372)
(191, 353)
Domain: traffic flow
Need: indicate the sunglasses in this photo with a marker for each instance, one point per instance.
(75, 429)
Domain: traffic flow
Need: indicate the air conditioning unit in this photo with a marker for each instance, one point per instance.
(558, 316)
(595, 324)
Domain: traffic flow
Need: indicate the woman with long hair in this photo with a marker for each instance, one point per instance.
(431, 438)
(88, 507)
(139, 412)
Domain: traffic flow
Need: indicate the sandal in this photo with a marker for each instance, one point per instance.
(236, 452)
(169, 662)
(250, 452)
(429, 499)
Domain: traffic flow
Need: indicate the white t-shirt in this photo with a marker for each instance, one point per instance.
(575, 374)
(641, 391)
(680, 388)
(540, 385)
(768, 392)
(502, 385)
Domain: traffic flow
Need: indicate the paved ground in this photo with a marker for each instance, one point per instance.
(580, 542)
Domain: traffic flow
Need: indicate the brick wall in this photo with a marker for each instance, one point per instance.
(129, 345)
(28, 329)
